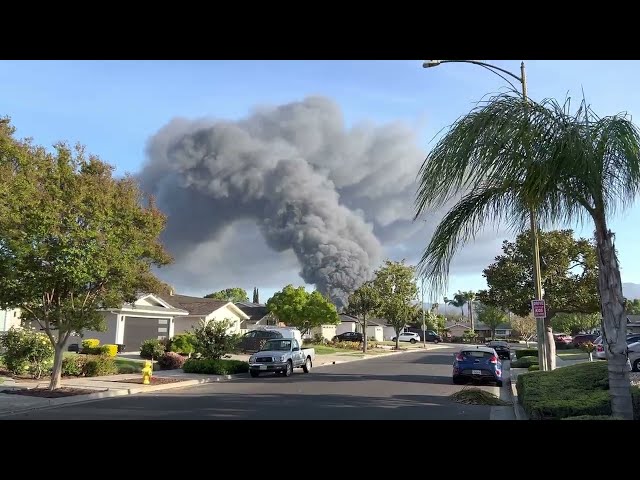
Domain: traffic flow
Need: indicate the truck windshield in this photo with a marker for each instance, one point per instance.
(276, 345)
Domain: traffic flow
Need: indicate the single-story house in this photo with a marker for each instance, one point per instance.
(502, 331)
(258, 315)
(160, 316)
(457, 329)
(9, 318)
(327, 331)
(376, 327)
(347, 323)
(633, 323)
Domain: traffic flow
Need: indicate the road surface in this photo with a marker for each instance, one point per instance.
(409, 386)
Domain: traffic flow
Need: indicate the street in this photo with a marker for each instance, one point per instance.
(410, 386)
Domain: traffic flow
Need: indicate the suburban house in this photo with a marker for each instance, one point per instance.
(502, 331)
(457, 329)
(258, 315)
(161, 316)
(376, 327)
(633, 323)
(9, 318)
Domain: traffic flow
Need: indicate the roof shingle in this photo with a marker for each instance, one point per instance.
(194, 305)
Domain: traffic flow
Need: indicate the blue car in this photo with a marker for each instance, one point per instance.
(477, 363)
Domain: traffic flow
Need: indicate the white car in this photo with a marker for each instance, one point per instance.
(407, 337)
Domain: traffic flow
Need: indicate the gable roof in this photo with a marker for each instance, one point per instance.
(200, 306)
(344, 318)
(255, 311)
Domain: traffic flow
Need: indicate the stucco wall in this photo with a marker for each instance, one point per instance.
(107, 337)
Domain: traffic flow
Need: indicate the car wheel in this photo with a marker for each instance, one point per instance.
(254, 374)
(307, 366)
(413, 340)
(393, 339)
(289, 369)
(499, 383)
(457, 380)
(636, 365)
(436, 341)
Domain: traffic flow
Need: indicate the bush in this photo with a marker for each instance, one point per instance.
(152, 348)
(592, 417)
(26, 350)
(212, 339)
(215, 366)
(74, 366)
(534, 368)
(109, 350)
(572, 391)
(319, 339)
(90, 343)
(171, 361)
(348, 345)
(527, 352)
(184, 343)
(525, 362)
(98, 366)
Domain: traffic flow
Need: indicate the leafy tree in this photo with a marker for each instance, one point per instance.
(213, 340)
(298, 308)
(492, 317)
(569, 275)
(235, 294)
(525, 162)
(632, 307)
(458, 301)
(395, 283)
(73, 239)
(525, 327)
(575, 323)
(363, 303)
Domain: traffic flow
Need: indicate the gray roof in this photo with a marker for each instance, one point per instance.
(255, 311)
(633, 318)
(194, 305)
(482, 326)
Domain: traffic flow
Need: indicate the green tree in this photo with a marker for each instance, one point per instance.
(298, 308)
(575, 323)
(396, 286)
(569, 269)
(363, 303)
(492, 317)
(508, 159)
(235, 294)
(632, 307)
(458, 301)
(73, 239)
(213, 340)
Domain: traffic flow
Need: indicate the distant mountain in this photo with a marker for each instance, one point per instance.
(631, 290)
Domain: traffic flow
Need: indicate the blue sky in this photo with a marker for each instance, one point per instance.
(114, 106)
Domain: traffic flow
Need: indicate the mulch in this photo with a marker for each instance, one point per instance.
(45, 393)
(154, 380)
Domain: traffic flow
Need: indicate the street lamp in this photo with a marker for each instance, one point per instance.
(522, 79)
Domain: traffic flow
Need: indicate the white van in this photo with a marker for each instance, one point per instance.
(287, 332)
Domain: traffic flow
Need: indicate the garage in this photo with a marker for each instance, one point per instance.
(139, 329)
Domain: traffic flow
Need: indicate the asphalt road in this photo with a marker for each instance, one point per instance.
(407, 386)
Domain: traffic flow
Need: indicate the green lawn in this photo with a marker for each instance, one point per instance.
(125, 365)
(324, 350)
(572, 354)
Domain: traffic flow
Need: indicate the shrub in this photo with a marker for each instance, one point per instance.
(74, 366)
(348, 345)
(26, 350)
(534, 368)
(307, 341)
(109, 350)
(592, 417)
(128, 368)
(90, 343)
(152, 348)
(171, 361)
(571, 391)
(525, 362)
(184, 343)
(98, 366)
(212, 339)
(215, 366)
(527, 352)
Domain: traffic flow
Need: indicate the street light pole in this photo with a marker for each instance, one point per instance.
(424, 334)
(537, 275)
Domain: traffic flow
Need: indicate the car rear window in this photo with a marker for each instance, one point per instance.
(476, 354)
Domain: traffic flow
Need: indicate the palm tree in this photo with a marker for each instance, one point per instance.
(457, 301)
(469, 297)
(507, 159)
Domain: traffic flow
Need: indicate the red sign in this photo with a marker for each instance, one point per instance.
(539, 309)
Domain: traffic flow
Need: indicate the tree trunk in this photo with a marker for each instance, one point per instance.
(613, 322)
(56, 374)
(364, 334)
(397, 340)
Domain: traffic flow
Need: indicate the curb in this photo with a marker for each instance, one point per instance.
(101, 395)
(517, 408)
(413, 350)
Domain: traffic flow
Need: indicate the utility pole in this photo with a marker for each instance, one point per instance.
(424, 333)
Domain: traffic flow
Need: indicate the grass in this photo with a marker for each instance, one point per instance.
(572, 391)
(125, 365)
(476, 396)
(324, 350)
(572, 354)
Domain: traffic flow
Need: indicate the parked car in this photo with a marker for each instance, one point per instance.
(253, 340)
(600, 354)
(634, 355)
(477, 363)
(349, 337)
(562, 340)
(583, 338)
(502, 349)
(281, 356)
(407, 337)
(430, 335)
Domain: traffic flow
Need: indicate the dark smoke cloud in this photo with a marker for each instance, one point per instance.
(334, 196)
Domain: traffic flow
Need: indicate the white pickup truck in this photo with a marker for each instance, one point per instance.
(281, 356)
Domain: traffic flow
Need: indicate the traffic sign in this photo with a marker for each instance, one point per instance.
(539, 308)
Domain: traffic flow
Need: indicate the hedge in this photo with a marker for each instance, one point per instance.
(527, 352)
(525, 362)
(215, 367)
(572, 391)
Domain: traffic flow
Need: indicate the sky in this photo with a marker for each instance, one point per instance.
(116, 107)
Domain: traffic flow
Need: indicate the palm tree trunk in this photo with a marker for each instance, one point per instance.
(364, 335)
(614, 325)
(471, 315)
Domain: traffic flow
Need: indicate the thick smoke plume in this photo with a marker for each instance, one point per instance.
(282, 167)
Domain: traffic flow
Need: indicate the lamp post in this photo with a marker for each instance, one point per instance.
(522, 79)
(424, 330)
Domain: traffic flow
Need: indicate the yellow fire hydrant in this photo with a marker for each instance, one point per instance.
(147, 373)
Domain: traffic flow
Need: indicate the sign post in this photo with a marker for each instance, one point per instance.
(540, 313)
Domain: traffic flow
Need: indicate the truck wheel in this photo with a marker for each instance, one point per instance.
(253, 373)
(289, 369)
(306, 368)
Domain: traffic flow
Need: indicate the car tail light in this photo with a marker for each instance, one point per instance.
(493, 359)
(460, 357)
(599, 348)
